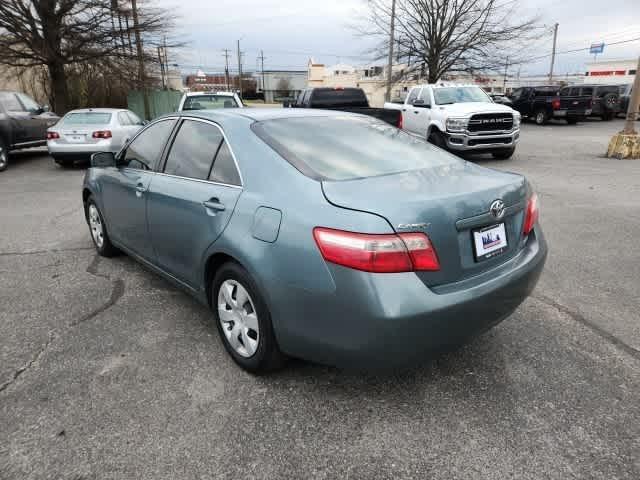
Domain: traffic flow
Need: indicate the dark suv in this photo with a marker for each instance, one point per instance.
(605, 99)
(23, 124)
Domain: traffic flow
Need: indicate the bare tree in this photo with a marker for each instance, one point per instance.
(434, 37)
(64, 35)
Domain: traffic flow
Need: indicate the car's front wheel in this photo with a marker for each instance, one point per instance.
(98, 230)
(4, 155)
(244, 321)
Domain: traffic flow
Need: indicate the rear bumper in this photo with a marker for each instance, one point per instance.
(564, 113)
(468, 143)
(81, 149)
(394, 320)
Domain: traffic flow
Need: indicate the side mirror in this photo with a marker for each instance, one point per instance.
(286, 103)
(103, 159)
(46, 108)
(145, 122)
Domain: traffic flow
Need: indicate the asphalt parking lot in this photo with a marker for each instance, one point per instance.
(108, 372)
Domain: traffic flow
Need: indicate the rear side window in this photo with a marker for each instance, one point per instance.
(123, 119)
(602, 91)
(224, 167)
(10, 102)
(587, 91)
(347, 147)
(193, 149)
(565, 92)
(87, 118)
(145, 150)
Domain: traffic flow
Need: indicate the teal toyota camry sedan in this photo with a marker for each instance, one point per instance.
(321, 235)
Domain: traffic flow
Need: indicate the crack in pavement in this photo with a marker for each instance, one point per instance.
(38, 252)
(117, 290)
(635, 353)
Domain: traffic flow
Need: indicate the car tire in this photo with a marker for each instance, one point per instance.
(503, 154)
(437, 139)
(541, 117)
(244, 321)
(98, 230)
(572, 120)
(4, 155)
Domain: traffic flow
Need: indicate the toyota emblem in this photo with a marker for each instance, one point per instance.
(497, 209)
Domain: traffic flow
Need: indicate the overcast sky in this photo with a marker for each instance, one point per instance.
(289, 32)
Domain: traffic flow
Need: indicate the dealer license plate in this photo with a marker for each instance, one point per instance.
(489, 241)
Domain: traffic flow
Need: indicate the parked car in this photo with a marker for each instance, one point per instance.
(605, 99)
(351, 100)
(625, 96)
(209, 101)
(328, 236)
(89, 130)
(501, 99)
(23, 124)
(460, 118)
(543, 103)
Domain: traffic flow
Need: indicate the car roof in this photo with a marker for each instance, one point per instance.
(259, 114)
(97, 110)
(222, 94)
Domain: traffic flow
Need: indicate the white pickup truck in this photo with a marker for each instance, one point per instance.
(460, 118)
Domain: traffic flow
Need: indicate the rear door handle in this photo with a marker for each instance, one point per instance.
(214, 204)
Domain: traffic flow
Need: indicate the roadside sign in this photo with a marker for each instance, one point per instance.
(596, 48)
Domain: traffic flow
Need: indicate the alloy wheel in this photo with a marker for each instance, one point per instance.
(238, 318)
(95, 223)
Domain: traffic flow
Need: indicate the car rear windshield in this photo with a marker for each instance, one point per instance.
(448, 95)
(208, 102)
(347, 147)
(338, 97)
(87, 118)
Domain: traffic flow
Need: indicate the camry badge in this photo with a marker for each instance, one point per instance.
(412, 226)
(497, 209)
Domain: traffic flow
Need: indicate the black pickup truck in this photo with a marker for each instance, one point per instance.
(346, 100)
(23, 124)
(545, 102)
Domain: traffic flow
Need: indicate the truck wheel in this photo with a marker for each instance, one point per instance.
(436, 138)
(4, 155)
(503, 154)
(541, 117)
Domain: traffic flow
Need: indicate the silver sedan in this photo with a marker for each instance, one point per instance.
(89, 130)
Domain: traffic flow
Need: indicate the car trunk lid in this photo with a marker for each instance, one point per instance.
(448, 202)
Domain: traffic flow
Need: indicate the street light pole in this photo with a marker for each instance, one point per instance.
(387, 95)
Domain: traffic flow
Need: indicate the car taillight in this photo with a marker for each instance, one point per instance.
(555, 103)
(405, 252)
(102, 134)
(400, 121)
(530, 215)
(52, 135)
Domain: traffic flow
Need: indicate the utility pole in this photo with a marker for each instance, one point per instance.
(504, 82)
(264, 98)
(553, 52)
(226, 67)
(141, 74)
(239, 71)
(387, 95)
(162, 73)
